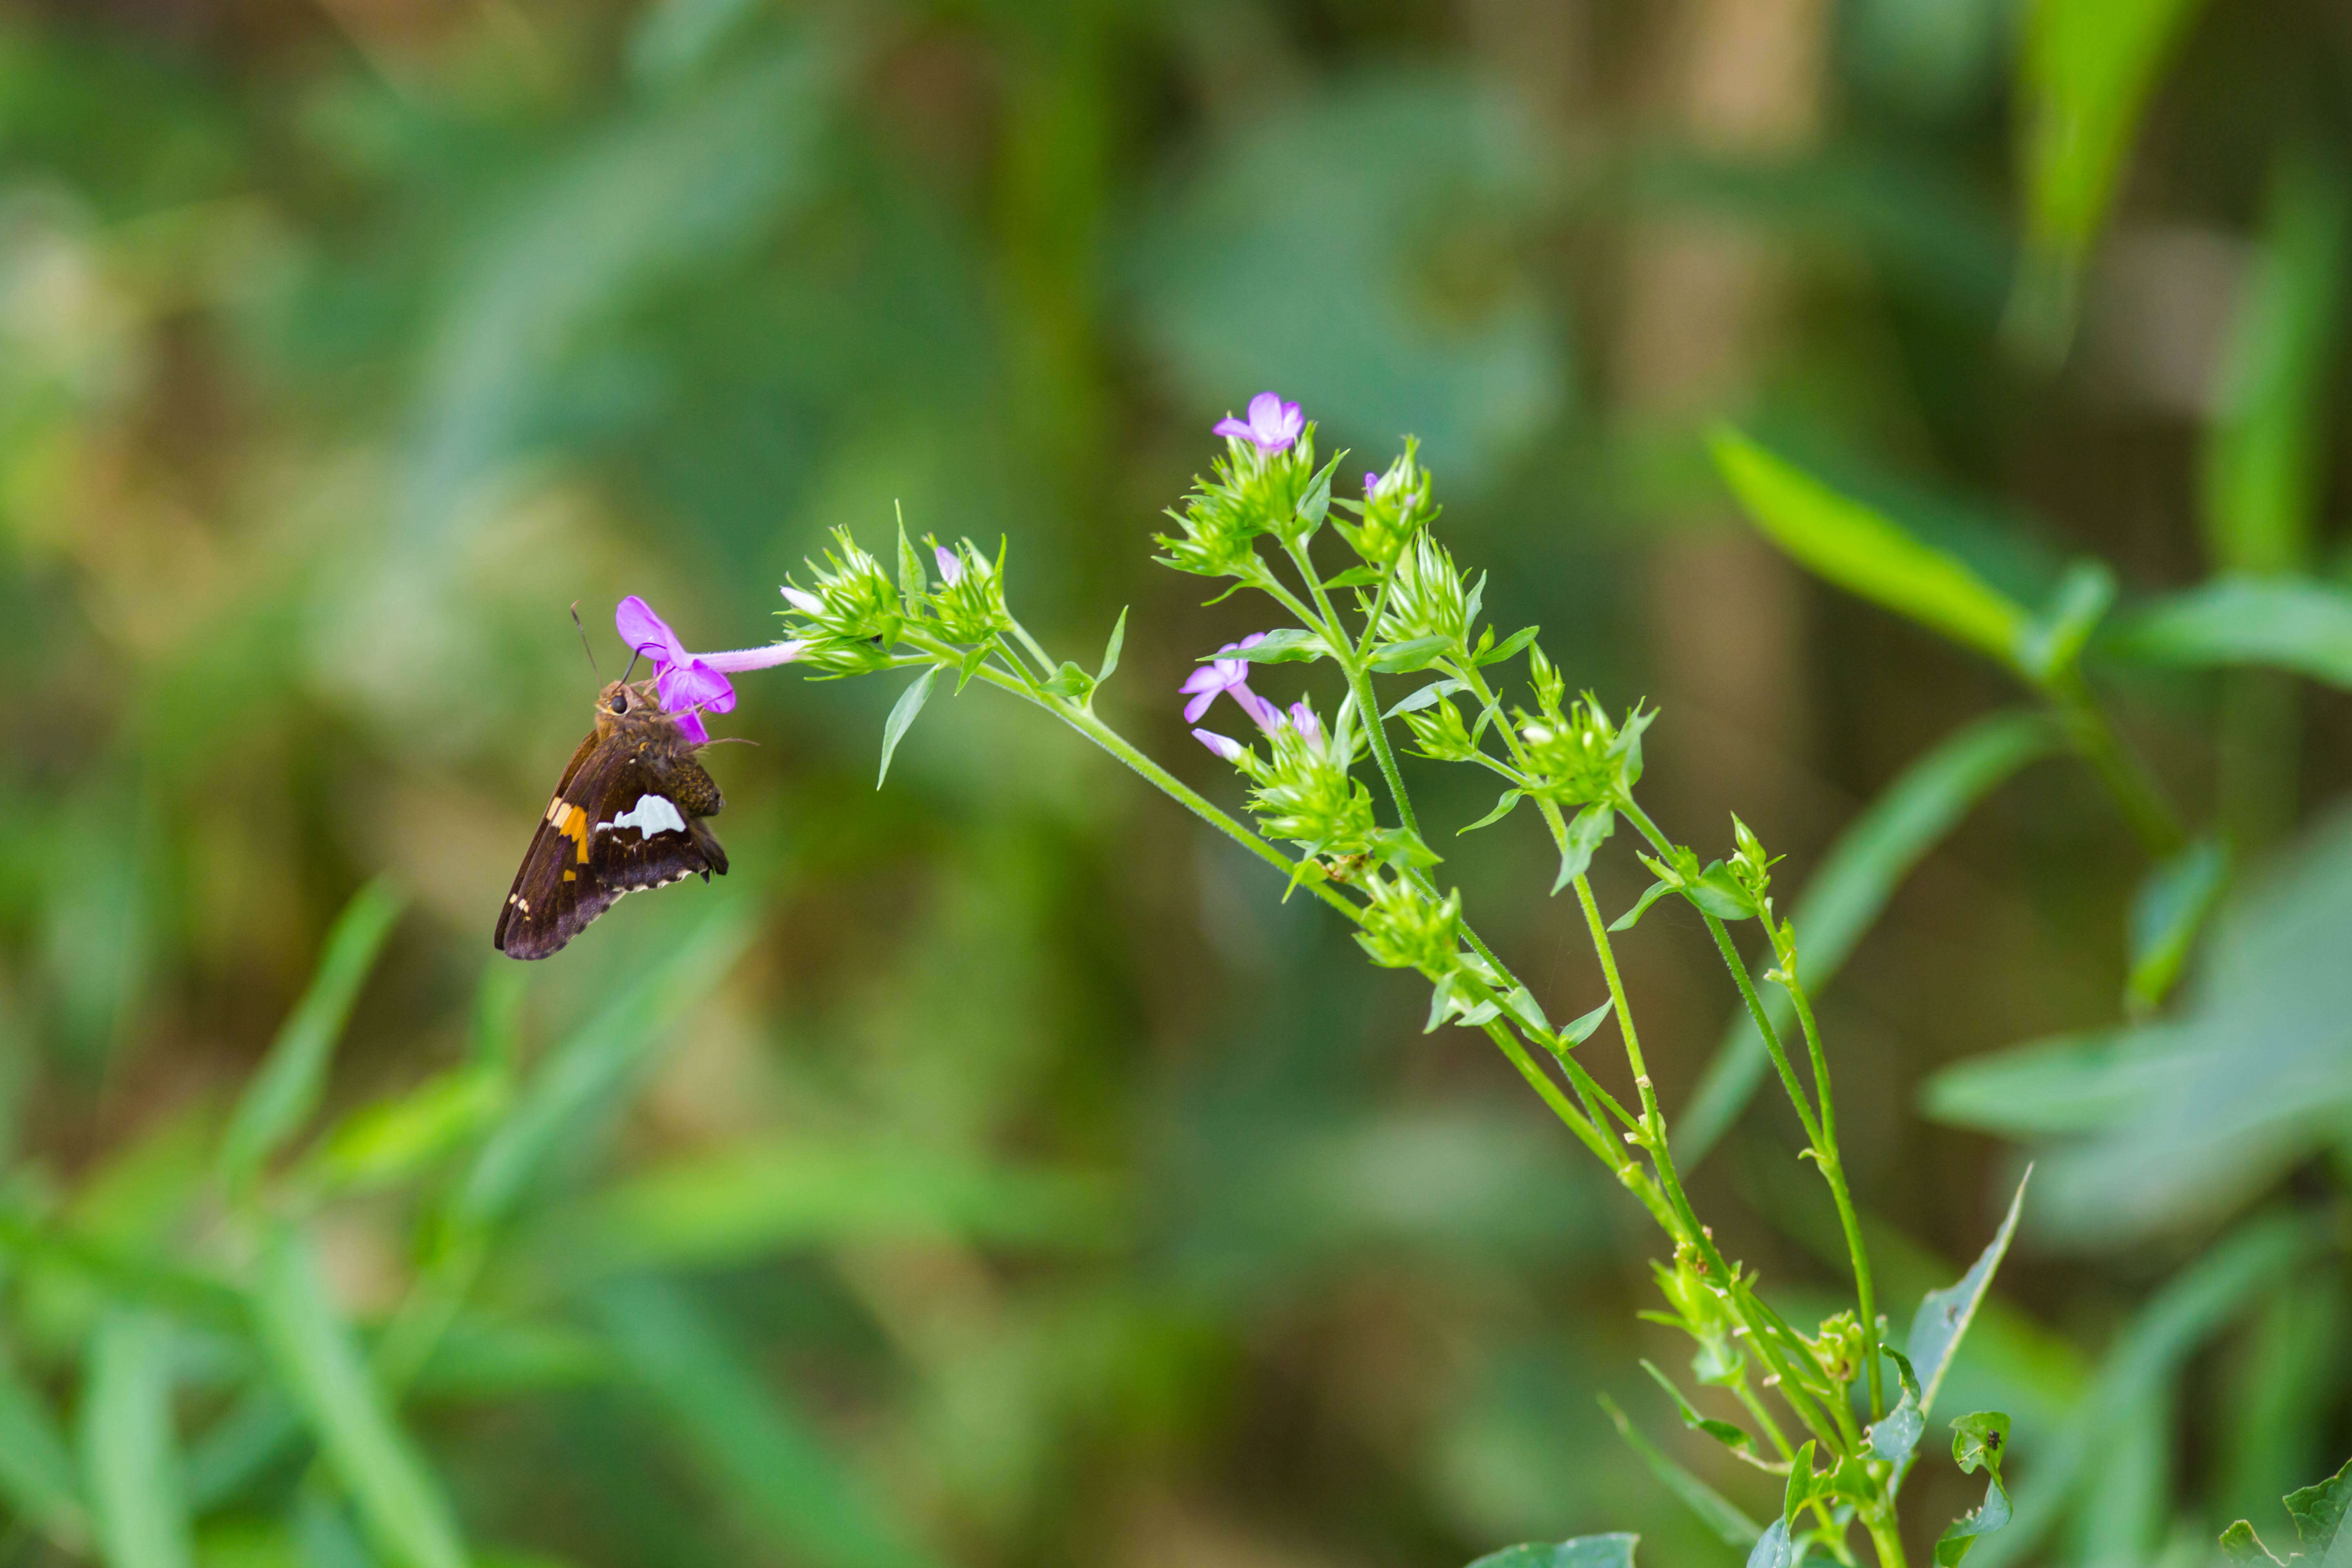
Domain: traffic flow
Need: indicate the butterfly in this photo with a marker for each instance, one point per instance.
(628, 813)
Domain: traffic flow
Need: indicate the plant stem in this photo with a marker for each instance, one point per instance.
(1884, 1538)
(1832, 1167)
(2143, 804)
(1360, 684)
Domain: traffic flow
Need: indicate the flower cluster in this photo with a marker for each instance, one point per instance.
(1407, 926)
(1427, 598)
(850, 614)
(1396, 507)
(1581, 756)
(1263, 485)
(969, 601)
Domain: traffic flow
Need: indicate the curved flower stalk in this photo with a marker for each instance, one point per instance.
(1814, 1407)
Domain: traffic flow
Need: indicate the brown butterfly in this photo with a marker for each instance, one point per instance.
(628, 813)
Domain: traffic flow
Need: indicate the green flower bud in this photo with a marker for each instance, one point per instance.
(1439, 733)
(1407, 927)
(1581, 756)
(1427, 598)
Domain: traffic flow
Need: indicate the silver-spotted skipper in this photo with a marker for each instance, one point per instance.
(628, 813)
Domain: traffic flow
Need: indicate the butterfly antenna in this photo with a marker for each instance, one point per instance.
(583, 639)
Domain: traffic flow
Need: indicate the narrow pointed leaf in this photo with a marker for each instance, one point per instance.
(1650, 895)
(2170, 909)
(132, 1465)
(1581, 1029)
(1864, 552)
(287, 1088)
(36, 1468)
(1110, 650)
(1720, 1515)
(1504, 803)
(902, 715)
(319, 1365)
(1945, 1315)
(1723, 1432)
(1592, 824)
(1414, 653)
(1423, 697)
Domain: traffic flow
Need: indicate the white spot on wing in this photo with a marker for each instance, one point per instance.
(652, 813)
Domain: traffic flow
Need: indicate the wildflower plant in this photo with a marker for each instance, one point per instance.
(1834, 1414)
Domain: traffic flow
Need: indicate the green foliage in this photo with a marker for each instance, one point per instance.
(1584, 1552)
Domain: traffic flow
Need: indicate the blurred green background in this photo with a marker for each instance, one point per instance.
(991, 1170)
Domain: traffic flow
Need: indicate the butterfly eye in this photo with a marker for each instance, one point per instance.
(620, 703)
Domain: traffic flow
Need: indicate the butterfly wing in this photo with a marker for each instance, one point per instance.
(614, 826)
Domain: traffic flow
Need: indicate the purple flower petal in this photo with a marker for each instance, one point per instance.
(1268, 716)
(693, 684)
(689, 724)
(1303, 720)
(1223, 745)
(951, 564)
(805, 603)
(1236, 429)
(646, 633)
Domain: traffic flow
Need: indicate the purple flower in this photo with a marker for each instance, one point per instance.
(806, 602)
(1303, 720)
(1273, 423)
(1229, 675)
(1225, 746)
(1374, 485)
(951, 564)
(692, 684)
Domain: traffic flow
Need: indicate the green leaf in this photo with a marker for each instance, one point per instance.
(1283, 645)
(737, 1205)
(132, 1465)
(1865, 552)
(1356, 576)
(1584, 1552)
(316, 1362)
(36, 1468)
(2084, 74)
(2052, 643)
(912, 584)
(1650, 895)
(1730, 1526)
(2241, 1544)
(1592, 824)
(2318, 1511)
(1111, 649)
(2264, 457)
(1414, 653)
(1724, 1432)
(1520, 1004)
(1504, 803)
(1511, 647)
(1945, 1315)
(1773, 1549)
(287, 1088)
(2170, 909)
(2288, 623)
(1581, 1029)
(382, 1144)
(1894, 1436)
(1424, 697)
(767, 1458)
(1857, 876)
(584, 1072)
(1977, 1442)
(1070, 682)
(902, 715)
(1715, 892)
(1316, 504)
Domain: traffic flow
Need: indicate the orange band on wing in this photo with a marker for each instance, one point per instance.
(573, 823)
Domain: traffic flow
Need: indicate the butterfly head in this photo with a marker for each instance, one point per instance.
(623, 706)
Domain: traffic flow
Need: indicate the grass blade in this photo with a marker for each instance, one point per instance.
(286, 1090)
(1846, 895)
(752, 1444)
(36, 1468)
(320, 1368)
(129, 1457)
(584, 1073)
(1945, 1315)
(751, 1200)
